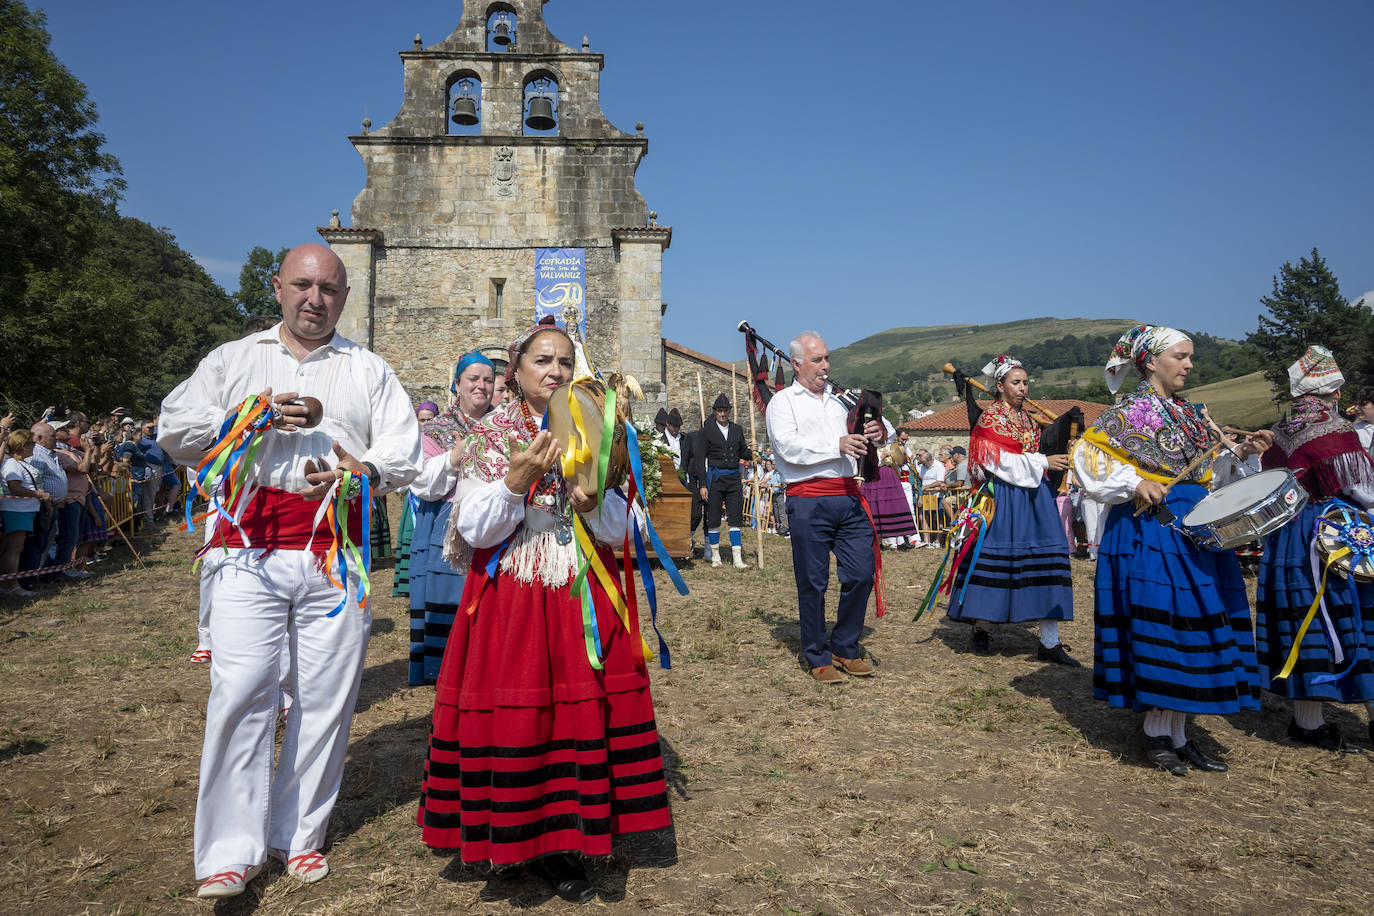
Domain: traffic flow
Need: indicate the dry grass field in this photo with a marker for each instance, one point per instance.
(948, 783)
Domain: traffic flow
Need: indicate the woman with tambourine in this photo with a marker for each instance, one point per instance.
(1171, 627)
(1334, 662)
(543, 743)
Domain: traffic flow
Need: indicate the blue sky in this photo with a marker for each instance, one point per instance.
(846, 167)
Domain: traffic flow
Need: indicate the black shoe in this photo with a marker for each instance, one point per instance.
(1191, 755)
(567, 875)
(906, 545)
(1059, 655)
(1160, 751)
(1324, 736)
(982, 642)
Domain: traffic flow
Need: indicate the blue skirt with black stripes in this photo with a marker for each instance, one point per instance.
(1284, 594)
(435, 588)
(1022, 572)
(1171, 624)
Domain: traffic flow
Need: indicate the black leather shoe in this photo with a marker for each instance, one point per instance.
(1191, 755)
(1325, 736)
(568, 877)
(982, 642)
(1059, 655)
(1160, 751)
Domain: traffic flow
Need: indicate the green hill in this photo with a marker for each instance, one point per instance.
(1064, 356)
(1246, 401)
(899, 349)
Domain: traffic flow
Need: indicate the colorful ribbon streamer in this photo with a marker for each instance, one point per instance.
(334, 512)
(224, 477)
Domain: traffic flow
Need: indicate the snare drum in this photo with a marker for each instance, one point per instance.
(1245, 510)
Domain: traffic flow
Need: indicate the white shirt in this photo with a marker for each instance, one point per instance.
(365, 409)
(674, 444)
(27, 477)
(805, 430)
(1366, 433)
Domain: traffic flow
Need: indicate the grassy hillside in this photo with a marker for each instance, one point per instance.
(905, 348)
(1246, 401)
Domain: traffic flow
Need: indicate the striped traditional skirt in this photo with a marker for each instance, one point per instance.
(891, 512)
(1283, 595)
(1172, 624)
(381, 529)
(1022, 571)
(531, 750)
(435, 588)
(400, 575)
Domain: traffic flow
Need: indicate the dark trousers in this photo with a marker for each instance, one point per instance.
(820, 525)
(725, 490)
(68, 527)
(697, 505)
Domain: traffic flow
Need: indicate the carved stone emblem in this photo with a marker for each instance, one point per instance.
(503, 172)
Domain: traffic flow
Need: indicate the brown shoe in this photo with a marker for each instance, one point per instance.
(826, 675)
(855, 666)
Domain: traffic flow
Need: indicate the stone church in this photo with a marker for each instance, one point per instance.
(501, 148)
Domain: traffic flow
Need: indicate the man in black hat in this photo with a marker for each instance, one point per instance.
(722, 449)
(660, 421)
(669, 435)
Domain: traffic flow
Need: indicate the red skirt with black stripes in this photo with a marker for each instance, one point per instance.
(532, 751)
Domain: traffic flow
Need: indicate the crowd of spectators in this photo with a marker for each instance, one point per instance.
(55, 521)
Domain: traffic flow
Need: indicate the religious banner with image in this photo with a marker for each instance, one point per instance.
(560, 283)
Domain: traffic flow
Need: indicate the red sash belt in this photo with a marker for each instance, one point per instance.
(278, 520)
(848, 486)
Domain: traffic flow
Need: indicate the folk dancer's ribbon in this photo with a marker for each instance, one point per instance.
(224, 476)
(333, 511)
(965, 542)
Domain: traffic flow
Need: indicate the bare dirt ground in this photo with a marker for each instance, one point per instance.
(948, 783)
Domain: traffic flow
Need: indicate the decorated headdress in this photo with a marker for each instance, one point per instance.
(1136, 348)
(1315, 372)
(543, 324)
(1000, 366)
(468, 359)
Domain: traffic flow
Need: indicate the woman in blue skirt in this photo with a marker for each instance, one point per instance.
(435, 586)
(1334, 663)
(1171, 629)
(1021, 571)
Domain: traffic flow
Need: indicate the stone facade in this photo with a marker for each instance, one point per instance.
(682, 367)
(442, 245)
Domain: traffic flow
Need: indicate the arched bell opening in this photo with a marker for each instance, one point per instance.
(464, 112)
(539, 115)
(501, 27)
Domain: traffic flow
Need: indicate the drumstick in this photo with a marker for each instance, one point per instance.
(1192, 466)
(949, 370)
(1238, 432)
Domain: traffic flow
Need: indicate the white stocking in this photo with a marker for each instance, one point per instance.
(1178, 721)
(1157, 723)
(1049, 633)
(1308, 714)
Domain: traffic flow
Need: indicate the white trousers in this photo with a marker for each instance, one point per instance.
(246, 806)
(203, 633)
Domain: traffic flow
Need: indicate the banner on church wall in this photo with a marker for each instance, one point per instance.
(560, 282)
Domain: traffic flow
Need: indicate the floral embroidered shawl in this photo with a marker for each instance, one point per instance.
(1002, 429)
(534, 550)
(1159, 436)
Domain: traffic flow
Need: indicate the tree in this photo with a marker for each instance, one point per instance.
(53, 173)
(1306, 307)
(255, 295)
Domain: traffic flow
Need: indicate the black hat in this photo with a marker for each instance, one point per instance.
(661, 418)
(721, 401)
(958, 450)
(674, 417)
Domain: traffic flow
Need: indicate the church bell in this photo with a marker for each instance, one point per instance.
(501, 34)
(541, 114)
(465, 110)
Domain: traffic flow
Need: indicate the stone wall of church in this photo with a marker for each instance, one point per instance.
(682, 372)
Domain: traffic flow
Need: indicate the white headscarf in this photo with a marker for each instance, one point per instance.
(1315, 372)
(1136, 348)
(1000, 366)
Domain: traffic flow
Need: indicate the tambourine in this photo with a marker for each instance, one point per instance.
(1347, 528)
(893, 455)
(576, 415)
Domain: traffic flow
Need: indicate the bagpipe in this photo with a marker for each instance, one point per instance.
(1058, 434)
(863, 404)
